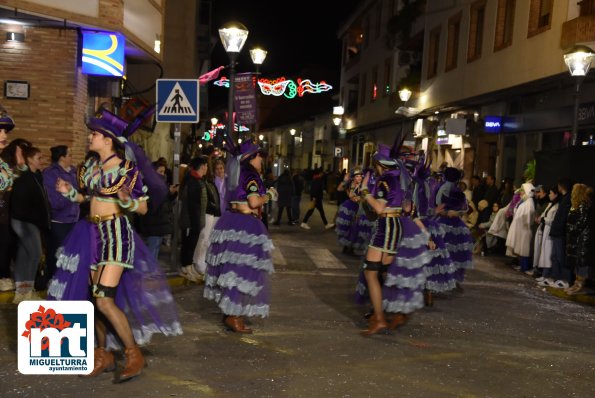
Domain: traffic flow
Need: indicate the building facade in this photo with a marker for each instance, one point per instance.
(492, 86)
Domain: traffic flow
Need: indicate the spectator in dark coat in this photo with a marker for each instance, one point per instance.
(30, 220)
(477, 189)
(158, 223)
(559, 273)
(285, 189)
(506, 192)
(580, 237)
(316, 197)
(491, 192)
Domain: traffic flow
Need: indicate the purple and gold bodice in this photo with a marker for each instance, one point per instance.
(388, 189)
(6, 176)
(105, 184)
(249, 184)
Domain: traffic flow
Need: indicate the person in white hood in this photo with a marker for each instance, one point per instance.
(519, 239)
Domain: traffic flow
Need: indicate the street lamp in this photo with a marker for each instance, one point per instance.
(578, 60)
(233, 36)
(292, 132)
(404, 94)
(258, 56)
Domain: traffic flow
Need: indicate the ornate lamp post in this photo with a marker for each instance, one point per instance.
(233, 36)
(578, 59)
(258, 56)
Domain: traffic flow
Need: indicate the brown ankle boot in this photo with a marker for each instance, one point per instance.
(135, 362)
(104, 362)
(375, 325)
(398, 320)
(236, 324)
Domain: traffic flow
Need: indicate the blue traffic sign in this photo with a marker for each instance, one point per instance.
(177, 100)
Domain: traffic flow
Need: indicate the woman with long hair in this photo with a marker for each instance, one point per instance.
(239, 256)
(580, 237)
(130, 292)
(542, 250)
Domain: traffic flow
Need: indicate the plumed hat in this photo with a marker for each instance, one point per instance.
(248, 148)
(452, 174)
(6, 121)
(383, 156)
(110, 125)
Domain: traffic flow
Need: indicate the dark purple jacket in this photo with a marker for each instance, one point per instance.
(63, 210)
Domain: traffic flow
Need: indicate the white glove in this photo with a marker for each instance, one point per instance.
(273, 194)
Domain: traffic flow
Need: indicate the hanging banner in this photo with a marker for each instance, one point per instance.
(245, 99)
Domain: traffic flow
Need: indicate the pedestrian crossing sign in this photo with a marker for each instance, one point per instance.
(177, 100)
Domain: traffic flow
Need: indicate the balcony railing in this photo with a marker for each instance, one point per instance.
(578, 30)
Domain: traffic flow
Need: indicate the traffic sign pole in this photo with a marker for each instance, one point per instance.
(177, 102)
(177, 207)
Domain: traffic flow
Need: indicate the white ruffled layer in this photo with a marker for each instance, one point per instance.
(230, 280)
(239, 259)
(230, 308)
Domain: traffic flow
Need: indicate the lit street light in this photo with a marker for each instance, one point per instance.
(233, 36)
(578, 60)
(258, 56)
(405, 94)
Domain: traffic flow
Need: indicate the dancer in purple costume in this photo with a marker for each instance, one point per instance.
(239, 256)
(397, 248)
(458, 239)
(440, 270)
(349, 219)
(130, 292)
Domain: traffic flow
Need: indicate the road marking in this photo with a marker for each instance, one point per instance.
(323, 258)
(277, 256)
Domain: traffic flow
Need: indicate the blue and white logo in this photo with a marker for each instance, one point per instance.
(177, 100)
(56, 337)
(103, 54)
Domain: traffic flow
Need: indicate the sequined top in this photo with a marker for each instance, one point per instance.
(6, 176)
(388, 189)
(105, 184)
(250, 184)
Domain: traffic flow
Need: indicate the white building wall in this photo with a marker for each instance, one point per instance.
(527, 59)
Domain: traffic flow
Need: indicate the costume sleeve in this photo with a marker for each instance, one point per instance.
(134, 181)
(382, 191)
(252, 184)
(56, 199)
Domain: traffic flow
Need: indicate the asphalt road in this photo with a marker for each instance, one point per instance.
(501, 337)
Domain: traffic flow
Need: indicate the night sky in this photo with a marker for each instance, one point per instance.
(297, 35)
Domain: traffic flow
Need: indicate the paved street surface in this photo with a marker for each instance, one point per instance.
(501, 337)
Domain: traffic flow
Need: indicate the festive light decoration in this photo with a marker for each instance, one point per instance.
(284, 87)
(223, 82)
(210, 134)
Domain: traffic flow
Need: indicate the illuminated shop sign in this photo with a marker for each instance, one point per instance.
(103, 54)
(492, 124)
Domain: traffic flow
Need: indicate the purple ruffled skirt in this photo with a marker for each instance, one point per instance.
(239, 266)
(402, 291)
(459, 244)
(143, 293)
(353, 227)
(346, 223)
(440, 271)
